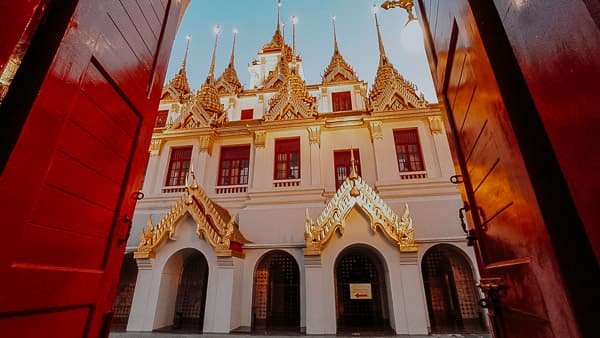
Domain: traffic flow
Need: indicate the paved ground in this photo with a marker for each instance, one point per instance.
(179, 335)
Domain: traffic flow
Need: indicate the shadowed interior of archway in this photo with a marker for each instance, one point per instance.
(124, 296)
(450, 291)
(276, 303)
(355, 315)
(191, 294)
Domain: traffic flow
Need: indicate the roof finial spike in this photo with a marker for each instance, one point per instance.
(382, 57)
(187, 48)
(353, 174)
(336, 49)
(278, 14)
(211, 72)
(294, 22)
(231, 58)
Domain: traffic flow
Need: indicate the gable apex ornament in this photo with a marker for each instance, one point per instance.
(354, 192)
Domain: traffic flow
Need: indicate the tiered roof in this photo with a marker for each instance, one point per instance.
(178, 88)
(228, 83)
(338, 69)
(390, 90)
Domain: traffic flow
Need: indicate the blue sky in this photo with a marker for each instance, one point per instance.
(256, 22)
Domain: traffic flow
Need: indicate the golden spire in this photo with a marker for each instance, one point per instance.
(294, 22)
(336, 50)
(231, 58)
(228, 82)
(278, 15)
(382, 57)
(178, 87)
(338, 69)
(211, 72)
(187, 48)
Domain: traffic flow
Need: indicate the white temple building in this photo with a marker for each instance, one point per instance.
(321, 208)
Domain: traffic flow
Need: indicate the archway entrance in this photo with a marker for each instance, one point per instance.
(450, 291)
(124, 296)
(361, 292)
(276, 303)
(191, 294)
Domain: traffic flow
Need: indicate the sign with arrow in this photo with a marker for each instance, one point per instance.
(360, 291)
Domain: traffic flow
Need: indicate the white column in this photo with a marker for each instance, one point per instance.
(376, 130)
(320, 311)
(218, 318)
(260, 169)
(145, 298)
(413, 298)
(442, 149)
(314, 139)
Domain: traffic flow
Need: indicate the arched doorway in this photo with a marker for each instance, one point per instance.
(450, 291)
(361, 293)
(191, 294)
(124, 296)
(276, 301)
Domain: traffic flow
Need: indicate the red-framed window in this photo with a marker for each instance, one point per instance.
(161, 118)
(247, 114)
(408, 150)
(341, 162)
(341, 101)
(287, 158)
(179, 166)
(234, 165)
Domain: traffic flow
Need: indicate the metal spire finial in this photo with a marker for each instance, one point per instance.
(187, 48)
(382, 57)
(278, 13)
(336, 49)
(231, 58)
(294, 22)
(211, 71)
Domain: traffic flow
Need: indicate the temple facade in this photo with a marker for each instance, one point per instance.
(285, 206)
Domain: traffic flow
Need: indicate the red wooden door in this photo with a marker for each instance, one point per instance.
(81, 128)
(517, 241)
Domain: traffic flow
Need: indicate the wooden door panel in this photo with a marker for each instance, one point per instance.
(69, 323)
(67, 187)
(512, 245)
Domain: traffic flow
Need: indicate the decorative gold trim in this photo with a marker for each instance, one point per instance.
(314, 135)
(213, 223)
(155, 147)
(436, 124)
(355, 192)
(260, 138)
(206, 143)
(376, 129)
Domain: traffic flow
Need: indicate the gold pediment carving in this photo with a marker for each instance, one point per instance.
(213, 223)
(355, 192)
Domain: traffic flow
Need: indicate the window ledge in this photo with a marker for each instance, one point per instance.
(231, 189)
(286, 183)
(411, 175)
(173, 189)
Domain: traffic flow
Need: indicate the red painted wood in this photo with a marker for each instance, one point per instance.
(562, 69)
(66, 191)
(526, 227)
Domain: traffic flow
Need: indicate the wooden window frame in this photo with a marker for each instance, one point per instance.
(284, 150)
(161, 118)
(341, 101)
(341, 160)
(176, 175)
(244, 114)
(232, 161)
(412, 158)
